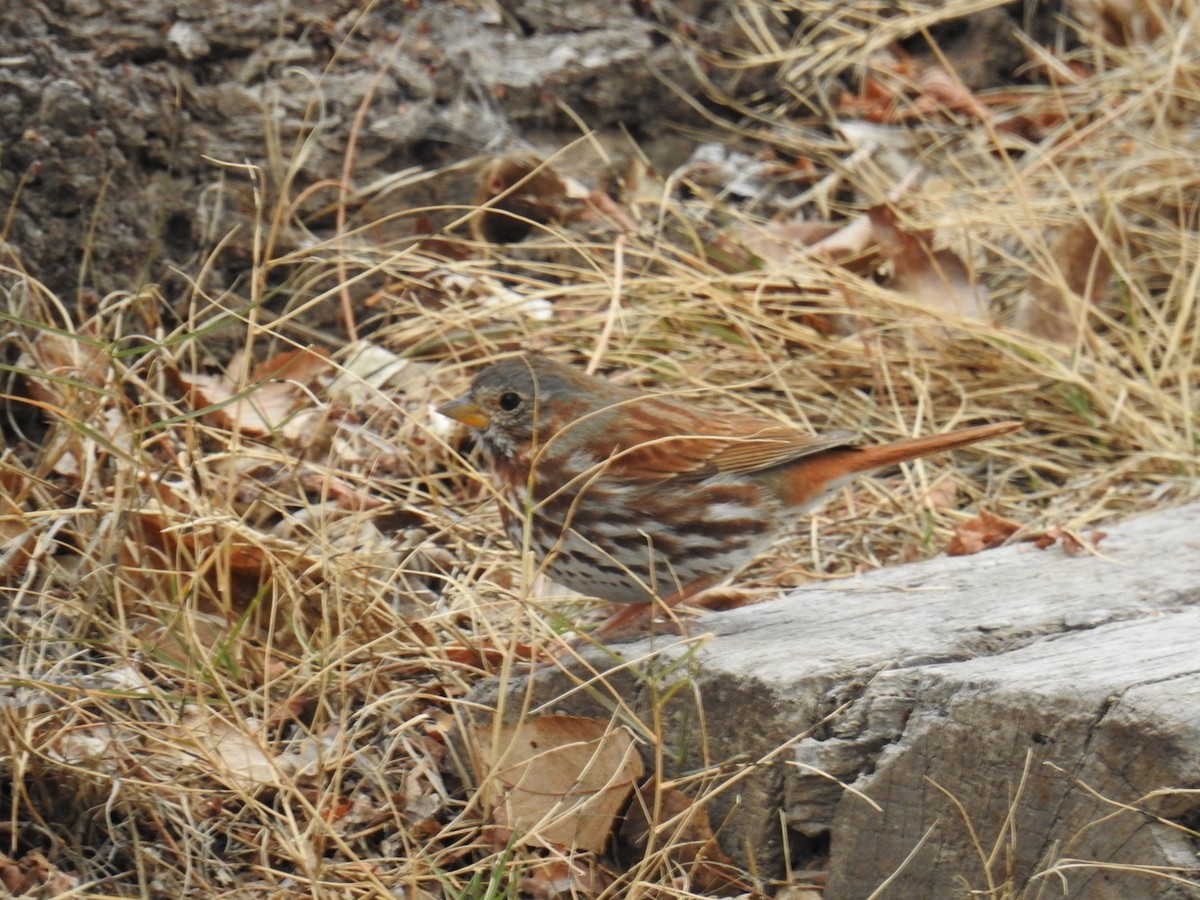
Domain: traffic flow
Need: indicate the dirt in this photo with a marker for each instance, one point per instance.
(131, 125)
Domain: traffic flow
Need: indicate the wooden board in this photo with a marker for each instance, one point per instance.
(1010, 715)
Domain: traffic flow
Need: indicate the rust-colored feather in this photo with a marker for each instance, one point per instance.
(702, 447)
(632, 497)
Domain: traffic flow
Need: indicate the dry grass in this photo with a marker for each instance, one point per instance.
(232, 658)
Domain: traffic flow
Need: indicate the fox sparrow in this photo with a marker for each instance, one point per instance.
(633, 497)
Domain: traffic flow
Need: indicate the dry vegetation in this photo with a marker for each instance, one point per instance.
(244, 598)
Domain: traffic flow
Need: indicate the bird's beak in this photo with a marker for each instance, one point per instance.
(465, 410)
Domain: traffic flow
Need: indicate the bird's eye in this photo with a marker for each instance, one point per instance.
(510, 400)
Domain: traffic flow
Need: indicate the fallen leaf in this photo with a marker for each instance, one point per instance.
(69, 377)
(17, 539)
(71, 363)
(34, 875)
(556, 780)
(937, 279)
(1121, 22)
(304, 366)
(519, 193)
(95, 747)
(577, 875)
(260, 402)
(371, 374)
(899, 88)
(778, 244)
(983, 532)
(722, 598)
(232, 753)
(1072, 543)
(851, 240)
(1056, 301)
(732, 173)
(944, 91)
(1043, 539)
(669, 819)
(942, 493)
(484, 655)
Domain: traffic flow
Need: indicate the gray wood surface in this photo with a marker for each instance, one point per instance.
(1021, 718)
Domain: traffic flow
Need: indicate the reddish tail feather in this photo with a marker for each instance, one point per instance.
(867, 458)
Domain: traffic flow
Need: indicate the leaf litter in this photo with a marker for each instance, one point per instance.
(256, 591)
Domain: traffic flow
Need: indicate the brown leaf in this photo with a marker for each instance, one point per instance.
(684, 828)
(1056, 302)
(521, 192)
(204, 739)
(899, 87)
(942, 493)
(937, 279)
(34, 875)
(942, 90)
(69, 377)
(304, 366)
(776, 243)
(1121, 22)
(981, 533)
(574, 876)
(851, 240)
(556, 780)
(1043, 539)
(880, 94)
(16, 535)
(72, 363)
(262, 401)
(484, 655)
(1072, 543)
(372, 377)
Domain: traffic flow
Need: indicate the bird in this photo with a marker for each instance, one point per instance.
(641, 498)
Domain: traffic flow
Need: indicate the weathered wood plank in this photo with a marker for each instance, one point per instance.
(1017, 679)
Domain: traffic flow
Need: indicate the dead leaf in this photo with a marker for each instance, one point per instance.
(1055, 304)
(937, 279)
(1121, 22)
(942, 493)
(727, 172)
(556, 780)
(261, 401)
(304, 366)
(849, 241)
(521, 192)
(880, 93)
(778, 244)
(34, 875)
(69, 377)
(371, 375)
(983, 532)
(681, 826)
(899, 88)
(232, 753)
(17, 538)
(485, 655)
(1072, 543)
(945, 91)
(73, 363)
(576, 875)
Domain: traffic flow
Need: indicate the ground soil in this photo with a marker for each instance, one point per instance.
(129, 124)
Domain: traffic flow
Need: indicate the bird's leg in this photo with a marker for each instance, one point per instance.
(634, 620)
